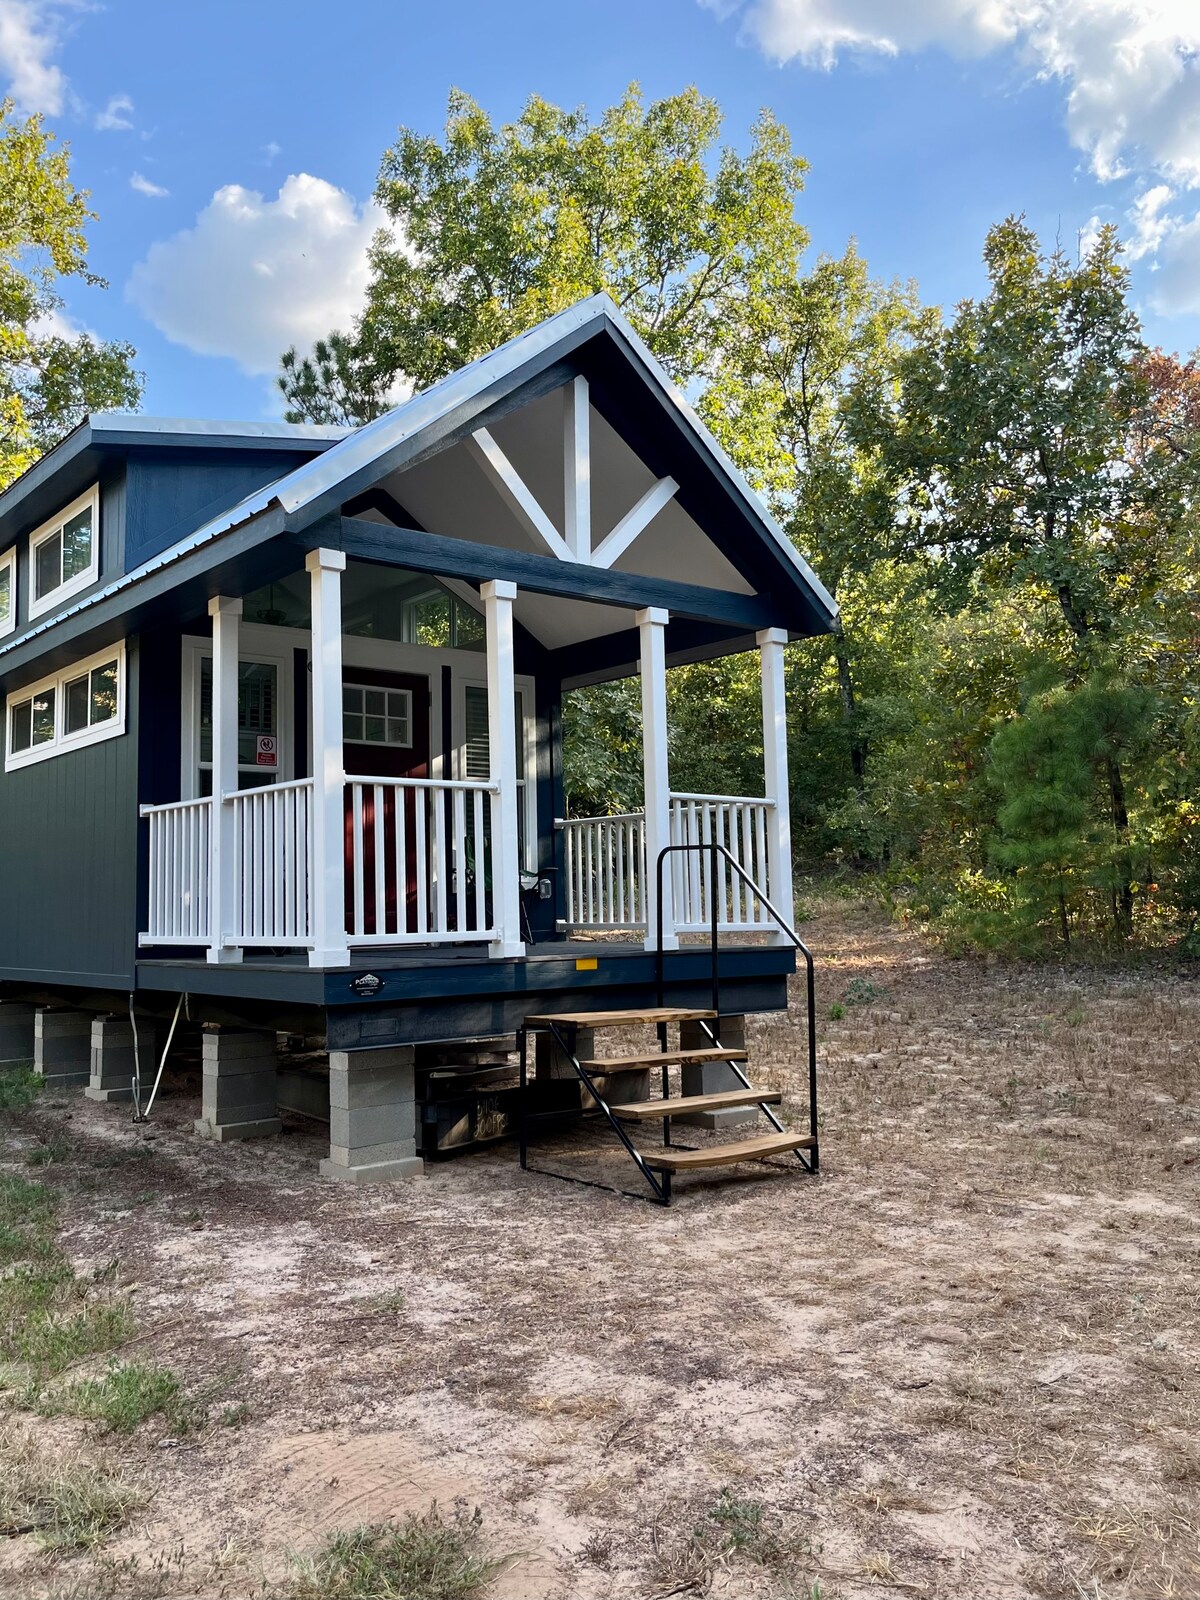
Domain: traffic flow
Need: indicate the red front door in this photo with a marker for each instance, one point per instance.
(385, 730)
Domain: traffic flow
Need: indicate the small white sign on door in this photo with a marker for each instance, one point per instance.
(267, 750)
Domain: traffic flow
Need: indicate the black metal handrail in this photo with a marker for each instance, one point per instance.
(720, 852)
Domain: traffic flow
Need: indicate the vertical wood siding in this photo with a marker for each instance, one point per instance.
(68, 860)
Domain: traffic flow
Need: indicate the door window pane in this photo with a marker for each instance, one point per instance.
(376, 716)
(6, 596)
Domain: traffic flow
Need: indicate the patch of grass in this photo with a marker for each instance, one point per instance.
(67, 1503)
(20, 1086)
(26, 1219)
(861, 992)
(123, 1398)
(739, 1525)
(49, 1152)
(430, 1557)
(234, 1416)
(49, 1316)
(837, 1011)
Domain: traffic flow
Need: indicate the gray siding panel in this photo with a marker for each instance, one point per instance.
(68, 861)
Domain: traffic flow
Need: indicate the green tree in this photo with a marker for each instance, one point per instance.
(495, 228)
(783, 401)
(48, 379)
(1027, 452)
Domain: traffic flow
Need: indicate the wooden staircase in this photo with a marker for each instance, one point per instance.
(659, 1163)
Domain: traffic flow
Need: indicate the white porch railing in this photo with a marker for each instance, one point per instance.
(418, 865)
(606, 865)
(272, 865)
(606, 871)
(740, 824)
(180, 872)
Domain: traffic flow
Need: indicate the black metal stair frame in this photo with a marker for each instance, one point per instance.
(716, 853)
(658, 1177)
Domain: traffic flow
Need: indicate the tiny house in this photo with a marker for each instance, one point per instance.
(282, 724)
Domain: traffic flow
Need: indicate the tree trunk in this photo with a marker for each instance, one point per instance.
(1123, 896)
(858, 745)
(1063, 921)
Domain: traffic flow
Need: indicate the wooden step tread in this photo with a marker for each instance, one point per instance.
(727, 1100)
(663, 1058)
(619, 1019)
(727, 1155)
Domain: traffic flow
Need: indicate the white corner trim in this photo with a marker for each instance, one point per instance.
(83, 580)
(63, 743)
(634, 522)
(516, 494)
(8, 563)
(577, 469)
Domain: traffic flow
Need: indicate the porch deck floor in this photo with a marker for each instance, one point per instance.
(426, 992)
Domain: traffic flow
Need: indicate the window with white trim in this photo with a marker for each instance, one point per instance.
(64, 553)
(372, 715)
(80, 706)
(8, 591)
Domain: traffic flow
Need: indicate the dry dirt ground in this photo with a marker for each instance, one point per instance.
(961, 1362)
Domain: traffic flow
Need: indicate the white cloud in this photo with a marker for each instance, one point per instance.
(1130, 68)
(1176, 290)
(1149, 221)
(29, 37)
(254, 276)
(143, 186)
(116, 114)
(269, 152)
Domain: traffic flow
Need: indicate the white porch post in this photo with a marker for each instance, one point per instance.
(224, 888)
(328, 909)
(498, 596)
(652, 626)
(775, 769)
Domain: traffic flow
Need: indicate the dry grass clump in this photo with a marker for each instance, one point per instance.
(429, 1557)
(65, 1500)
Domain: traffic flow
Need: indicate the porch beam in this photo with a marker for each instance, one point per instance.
(652, 627)
(226, 615)
(634, 522)
(449, 557)
(498, 597)
(328, 892)
(516, 494)
(775, 772)
(577, 469)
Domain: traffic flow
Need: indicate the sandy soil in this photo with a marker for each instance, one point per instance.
(961, 1362)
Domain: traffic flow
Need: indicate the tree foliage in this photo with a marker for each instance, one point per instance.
(48, 378)
(495, 228)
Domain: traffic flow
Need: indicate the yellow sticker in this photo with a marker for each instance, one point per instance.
(587, 964)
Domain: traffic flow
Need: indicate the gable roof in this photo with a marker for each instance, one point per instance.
(349, 463)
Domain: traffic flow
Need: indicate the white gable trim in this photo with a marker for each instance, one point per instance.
(516, 494)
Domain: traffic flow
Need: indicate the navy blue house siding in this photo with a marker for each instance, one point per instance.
(68, 862)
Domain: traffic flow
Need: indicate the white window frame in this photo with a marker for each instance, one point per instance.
(39, 536)
(270, 646)
(8, 562)
(63, 742)
(378, 688)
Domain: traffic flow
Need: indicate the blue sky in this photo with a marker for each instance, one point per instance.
(231, 149)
